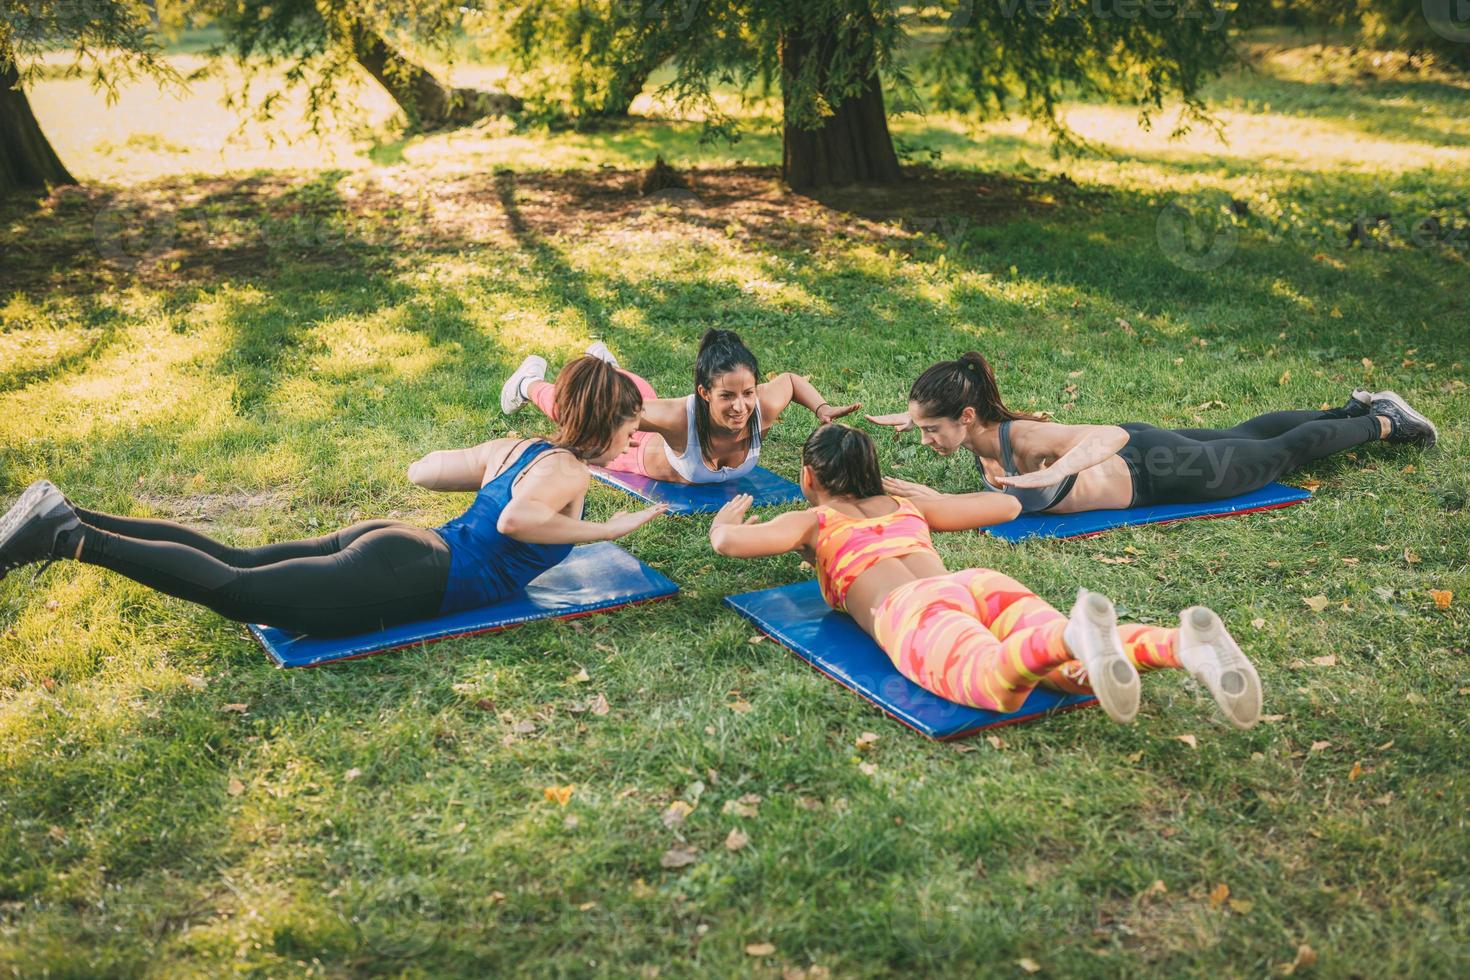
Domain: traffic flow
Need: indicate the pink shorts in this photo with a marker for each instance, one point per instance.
(629, 461)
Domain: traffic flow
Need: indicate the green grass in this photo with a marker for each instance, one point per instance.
(300, 337)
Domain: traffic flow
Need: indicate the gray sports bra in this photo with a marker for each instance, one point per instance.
(1035, 501)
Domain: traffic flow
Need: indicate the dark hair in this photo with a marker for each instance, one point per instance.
(844, 461)
(592, 398)
(720, 351)
(949, 387)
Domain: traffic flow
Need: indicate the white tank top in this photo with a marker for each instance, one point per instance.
(690, 463)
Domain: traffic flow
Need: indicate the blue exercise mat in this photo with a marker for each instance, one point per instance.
(1092, 522)
(799, 619)
(767, 488)
(594, 578)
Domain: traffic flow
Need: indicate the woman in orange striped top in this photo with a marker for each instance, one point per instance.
(975, 637)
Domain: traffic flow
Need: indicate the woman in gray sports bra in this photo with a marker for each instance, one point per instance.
(1063, 469)
(711, 436)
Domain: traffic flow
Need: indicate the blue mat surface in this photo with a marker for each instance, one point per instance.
(594, 578)
(767, 488)
(797, 617)
(1093, 522)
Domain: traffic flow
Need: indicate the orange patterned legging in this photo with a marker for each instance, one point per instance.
(983, 639)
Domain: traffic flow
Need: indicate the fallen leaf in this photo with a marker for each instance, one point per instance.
(1273, 718)
(867, 769)
(809, 803)
(743, 807)
(485, 704)
(524, 727)
(1319, 746)
(237, 707)
(759, 949)
(1135, 757)
(580, 677)
(740, 707)
(1258, 623)
(1385, 799)
(996, 742)
(560, 795)
(1408, 469)
(1285, 377)
(1316, 603)
(1306, 957)
(736, 839)
(1327, 661)
(1348, 561)
(675, 814)
(758, 638)
(57, 833)
(1028, 964)
(1241, 906)
(866, 741)
(1219, 894)
(678, 856)
(1368, 363)
(235, 787)
(1355, 772)
(1442, 598)
(196, 681)
(1188, 740)
(598, 706)
(352, 774)
(1384, 747)
(1410, 557)
(1157, 887)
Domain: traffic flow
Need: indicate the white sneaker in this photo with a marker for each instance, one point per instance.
(599, 350)
(512, 395)
(1092, 637)
(1209, 653)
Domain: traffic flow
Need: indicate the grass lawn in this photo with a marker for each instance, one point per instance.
(263, 352)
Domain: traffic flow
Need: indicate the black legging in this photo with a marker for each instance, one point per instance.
(1178, 466)
(364, 577)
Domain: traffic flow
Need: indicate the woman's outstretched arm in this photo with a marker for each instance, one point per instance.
(537, 509)
(735, 536)
(452, 469)
(786, 388)
(1097, 443)
(967, 511)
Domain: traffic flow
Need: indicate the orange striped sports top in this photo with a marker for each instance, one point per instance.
(849, 546)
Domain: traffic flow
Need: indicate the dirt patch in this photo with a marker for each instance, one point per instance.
(182, 231)
(211, 508)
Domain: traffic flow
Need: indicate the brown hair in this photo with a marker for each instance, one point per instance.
(592, 399)
(844, 461)
(946, 389)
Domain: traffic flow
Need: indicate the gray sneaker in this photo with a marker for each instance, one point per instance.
(1406, 425)
(1359, 403)
(29, 530)
(512, 396)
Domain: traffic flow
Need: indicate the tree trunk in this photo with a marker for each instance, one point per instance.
(852, 145)
(424, 99)
(27, 161)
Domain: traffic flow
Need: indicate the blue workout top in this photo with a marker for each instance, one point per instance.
(485, 565)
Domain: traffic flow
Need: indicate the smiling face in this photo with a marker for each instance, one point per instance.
(622, 440)
(731, 398)
(940, 434)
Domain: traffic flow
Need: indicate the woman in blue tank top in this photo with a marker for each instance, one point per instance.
(711, 436)
(525, 518)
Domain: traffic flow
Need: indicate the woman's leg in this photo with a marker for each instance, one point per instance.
(151, 529)
(543, 396)
(936, 637)
(1267, 426)
(1177, 469)
(387, 574)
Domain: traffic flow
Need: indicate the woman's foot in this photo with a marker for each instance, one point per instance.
(1208, 652)
(1405, 424)
(513, 392)
(30, 529)
(599, 350)
(1092, 637)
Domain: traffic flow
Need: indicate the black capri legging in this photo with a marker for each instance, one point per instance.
(364, 577)
(1181, 466)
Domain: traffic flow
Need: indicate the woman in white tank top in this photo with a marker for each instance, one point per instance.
(711, 436)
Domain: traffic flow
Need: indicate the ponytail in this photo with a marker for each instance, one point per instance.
(592, 398)
(720, 351)
(946, 389)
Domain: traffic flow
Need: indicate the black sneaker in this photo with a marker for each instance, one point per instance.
(1406, 424)
(29, 530)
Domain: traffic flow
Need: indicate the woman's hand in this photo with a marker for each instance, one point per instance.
(626, 522)
(826, 413)
(734, 511)
(899, 421)
(903, 488)
(1047, 477)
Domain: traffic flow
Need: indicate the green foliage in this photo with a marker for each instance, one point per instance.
(111, 41)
